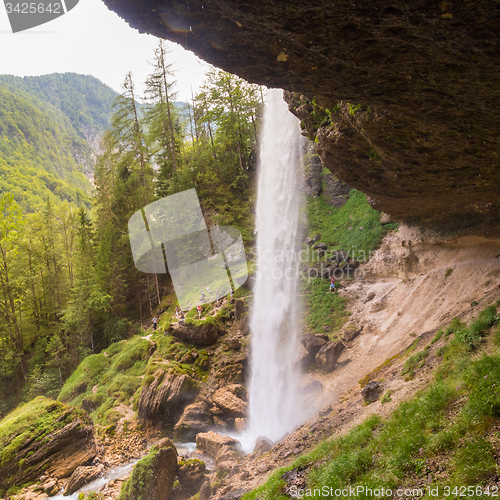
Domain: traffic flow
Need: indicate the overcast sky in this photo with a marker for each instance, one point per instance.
(91, 40)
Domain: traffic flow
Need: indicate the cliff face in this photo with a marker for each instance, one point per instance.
(403, 97)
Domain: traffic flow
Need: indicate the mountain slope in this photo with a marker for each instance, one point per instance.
(36, 156)
(80, 104)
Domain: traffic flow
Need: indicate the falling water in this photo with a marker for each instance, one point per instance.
(273, 390)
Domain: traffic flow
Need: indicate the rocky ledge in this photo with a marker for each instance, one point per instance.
(402, 96)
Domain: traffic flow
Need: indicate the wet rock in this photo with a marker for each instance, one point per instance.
(191, 476)
(194, 419)
(205, 490)
(309, 241)
(329, 354)
(312, 176)
(295, 479)
(240, 424)
(198, 335)
(82, 475)
(212, 443)
(226, 399)
(166, 396)
(372, 391)
(317, 237)
(336, 192)
(234, 495)
(262, 445)
(153, 477)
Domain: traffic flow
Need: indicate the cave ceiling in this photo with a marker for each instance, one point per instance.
(402, 98)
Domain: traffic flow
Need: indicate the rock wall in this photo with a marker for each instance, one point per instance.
(402, 96)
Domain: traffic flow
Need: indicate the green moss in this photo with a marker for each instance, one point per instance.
(33, 420)
(323, 309)
(135, 349)
(87, 374)
(135, 487)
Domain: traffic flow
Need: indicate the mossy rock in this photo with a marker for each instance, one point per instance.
(153, 476)
(44, 436)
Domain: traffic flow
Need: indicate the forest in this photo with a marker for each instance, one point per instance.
(69, 284)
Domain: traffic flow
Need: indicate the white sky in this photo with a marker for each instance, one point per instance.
(91, 40)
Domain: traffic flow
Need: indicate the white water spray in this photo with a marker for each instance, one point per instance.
(273, 391)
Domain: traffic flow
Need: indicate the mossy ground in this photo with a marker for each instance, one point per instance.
(33, 421)
(449, 421)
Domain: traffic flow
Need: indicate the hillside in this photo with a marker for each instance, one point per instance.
(81, 104)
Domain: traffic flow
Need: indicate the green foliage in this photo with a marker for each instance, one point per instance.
(323, 309)
(474, 462)
(386, 398)
(35, 156)
(341, 228)
(414, 363)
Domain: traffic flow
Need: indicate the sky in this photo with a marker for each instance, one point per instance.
(92, 40)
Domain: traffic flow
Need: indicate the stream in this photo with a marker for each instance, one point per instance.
(124, 470)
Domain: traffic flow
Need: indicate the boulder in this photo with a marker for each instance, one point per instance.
(226, 399)
(262, 445)
(294, 479)
(240, 424)
(194, 419)
(239, 309)
(309, 241)
(212, 443)
(234, 495)
(313, 343)
(82, 475)
(244, 326)
(198, 335)
(320, 246)
(44, 436)
(205, 490)
(351, 332)
(336, 192)
(153, 477)
(329, 354)
(372, 390)
(166, 396)
(227, 454)
(191, 475)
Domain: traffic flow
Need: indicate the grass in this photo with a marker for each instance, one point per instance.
(323, 308)
(449, 420)
(341, 228)
(87, 374)
(33, 421)
(414, 363)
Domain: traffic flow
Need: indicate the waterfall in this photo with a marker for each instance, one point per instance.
(274, 407)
